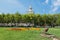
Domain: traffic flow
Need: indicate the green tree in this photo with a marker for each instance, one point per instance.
(17, 17)
(38, 19)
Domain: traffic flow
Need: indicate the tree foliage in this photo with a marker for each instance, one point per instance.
(35, 19)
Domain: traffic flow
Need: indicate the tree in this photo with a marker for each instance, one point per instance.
(17, 17)
(6, 18)
(2, 17)
(58, 22)
(45, 23)
(38, 19)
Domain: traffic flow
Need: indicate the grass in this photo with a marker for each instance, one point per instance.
(26, 35)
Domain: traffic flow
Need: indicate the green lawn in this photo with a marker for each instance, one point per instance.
(26, 35)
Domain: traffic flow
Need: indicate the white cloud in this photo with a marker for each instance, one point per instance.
(46, 1)
(55, 9)
(55, 5)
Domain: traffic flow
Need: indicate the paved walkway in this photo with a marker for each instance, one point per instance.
(53, 37)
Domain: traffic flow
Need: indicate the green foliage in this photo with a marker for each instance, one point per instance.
(36, 19)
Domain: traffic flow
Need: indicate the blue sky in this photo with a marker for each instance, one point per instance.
(22, 6)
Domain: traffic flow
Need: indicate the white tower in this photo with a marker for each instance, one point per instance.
(30, 9)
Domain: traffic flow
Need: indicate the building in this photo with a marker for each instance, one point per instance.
(30, 10)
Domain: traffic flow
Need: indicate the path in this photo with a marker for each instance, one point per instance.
(53, 37)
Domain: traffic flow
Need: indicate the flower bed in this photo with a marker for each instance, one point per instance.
(23, 28)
